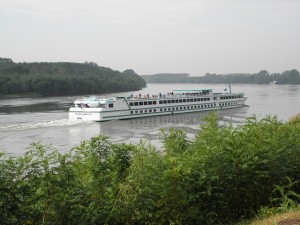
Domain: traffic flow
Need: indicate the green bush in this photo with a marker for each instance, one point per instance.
(222, 175)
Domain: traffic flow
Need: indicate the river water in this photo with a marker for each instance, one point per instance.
(45, 120)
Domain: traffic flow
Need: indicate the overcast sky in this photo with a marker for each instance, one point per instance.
(155, 36)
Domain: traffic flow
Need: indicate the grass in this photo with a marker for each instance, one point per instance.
(288, 218)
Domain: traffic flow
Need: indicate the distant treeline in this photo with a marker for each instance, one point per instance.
(64, 78)
(263, 77)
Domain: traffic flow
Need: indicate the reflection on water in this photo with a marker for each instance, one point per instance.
(185, 120)
(65, 134)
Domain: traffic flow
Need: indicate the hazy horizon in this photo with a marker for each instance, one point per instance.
(151, 37)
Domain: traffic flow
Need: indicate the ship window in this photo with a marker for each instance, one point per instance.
(161, 110)
(192, 107)
(145, 111)
(176, 100)
(165, 101)
(176, 108)
(154, 103)
(160, 102)
(180, 108)
(140, 103)
(136, 112)
(188, 100)
(131, 103)
(141, 111)
(173, 101)
(145, 103)
(150, 110)
(165, 109)
(184, 100)
(184, 107)
(154, 110)
(110, 105)
(136, 103)
(180, 100)
(173, 108)
(169, 101)
(192, 100)
(149, 103)
(131, 112)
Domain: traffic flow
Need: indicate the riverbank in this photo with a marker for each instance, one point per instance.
(288, 218)
(21, 95)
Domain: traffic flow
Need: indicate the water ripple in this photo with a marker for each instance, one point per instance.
(41, 124)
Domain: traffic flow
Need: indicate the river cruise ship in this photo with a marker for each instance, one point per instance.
(96, 108)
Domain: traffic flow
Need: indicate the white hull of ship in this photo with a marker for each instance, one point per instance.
(98, 114)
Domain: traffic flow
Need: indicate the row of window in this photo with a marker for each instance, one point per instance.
(230, 97)
(168, 101)
(186, 107)
(181, 108)
(228, 103)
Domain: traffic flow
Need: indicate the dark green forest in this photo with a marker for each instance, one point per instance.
(64, 78)
(263, 77)
(223, 175)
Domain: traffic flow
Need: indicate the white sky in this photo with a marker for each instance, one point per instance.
(155, 36)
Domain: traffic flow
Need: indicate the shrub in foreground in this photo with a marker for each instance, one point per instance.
(222, 175)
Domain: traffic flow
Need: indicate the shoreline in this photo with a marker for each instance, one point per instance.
(21, 95)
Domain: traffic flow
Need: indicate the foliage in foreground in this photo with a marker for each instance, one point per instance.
(223, 175)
